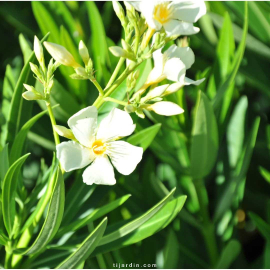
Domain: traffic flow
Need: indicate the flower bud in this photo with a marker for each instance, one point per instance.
(64, 132)
(36, 71)
(29, 95)
(75, 76)
(38, 49)
(126, 46)
(29, 88)
(81, 71)
(166, 108)
(140, 113)
(83, 52)
(119, 11)
(129, 7)
(130, 108)
(119, 52)
(61, 54)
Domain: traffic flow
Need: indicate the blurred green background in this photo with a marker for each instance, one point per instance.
(182, 244)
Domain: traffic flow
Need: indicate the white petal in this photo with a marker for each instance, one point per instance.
(83, 125)
(147, 9)
(100, 172)
(136, 4)
(189, 81)
(156, 92)
(117, 124)
(73, 156)
(188, 10)
(178, 28)
(173, 88)
(166, 108)
(175, 70)
(185, 54)
(124, 156)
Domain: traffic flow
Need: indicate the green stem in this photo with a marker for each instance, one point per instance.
(97, 85)
(115, 101)
(208, 229)
(115, 73)
(55, 134)
(100, 100)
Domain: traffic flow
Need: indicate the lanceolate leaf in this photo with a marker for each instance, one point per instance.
(19, 140)
(156, 223)
(52, 221)
(4, 163)
(204, 143)
(145, 137)
(229, 254)
(85, 249)
(15, 109)
(262, 226)
(236, 64)
(97, 213)
(133, 225)
(9, 191)
(3, 238)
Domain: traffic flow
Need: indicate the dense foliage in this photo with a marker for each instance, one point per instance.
(200, 196)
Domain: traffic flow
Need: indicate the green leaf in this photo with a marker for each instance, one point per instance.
(229, 254)
(265, 174)
(16, 103)
(98, 40)
(4, 163)
(85, 249)
(52, 221)
(145, 137)
(204, 142)
(9, 192)
(43, 202)
(170, 252)
(236, 64)
(19, 140)
(97, 213)
(262, 226)
(45, 21)
(232, 188)
(3, 238)
(236, 131)
(76, 197)
(133, 225)
(26, 50)
(156, 223)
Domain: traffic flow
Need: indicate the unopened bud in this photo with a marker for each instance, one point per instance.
(61, 54)
(126, 46)
(29, 95)
(81, 71)
(140, 113)
(83, 52)
(29, 88)
(119, 52)
(129, 7)
(36, 70)
(119, 11)
(75, 76)
(64, 132)
(38, 49)
(130, 108)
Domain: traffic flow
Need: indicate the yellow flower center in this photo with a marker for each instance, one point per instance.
(162, 13)
(98, 147)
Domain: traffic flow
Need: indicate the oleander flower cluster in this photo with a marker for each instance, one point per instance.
(148, 28)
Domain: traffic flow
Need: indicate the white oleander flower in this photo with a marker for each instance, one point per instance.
(176, 17)
(97, 143)
(172, 65)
